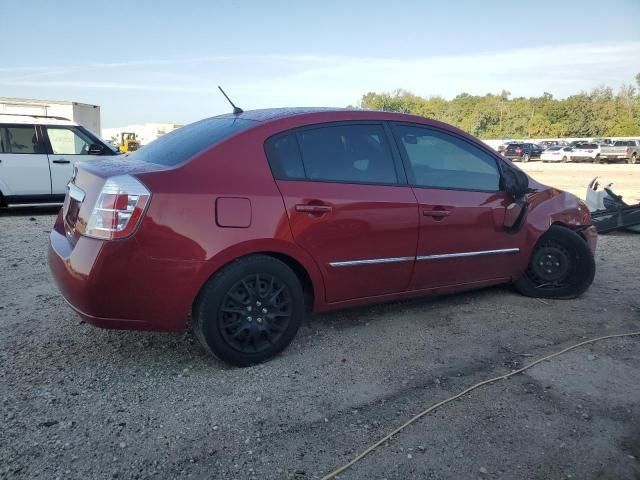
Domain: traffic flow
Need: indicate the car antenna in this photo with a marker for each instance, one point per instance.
(236, 110)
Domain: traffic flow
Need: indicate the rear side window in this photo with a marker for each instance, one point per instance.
(19, 139)
(347, 153)
(343, 153)
(284, 157)
(182, 144)
(441, 160)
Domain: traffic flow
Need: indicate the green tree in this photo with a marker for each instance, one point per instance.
(593, 114)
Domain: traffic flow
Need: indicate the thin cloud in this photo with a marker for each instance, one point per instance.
(316, 79)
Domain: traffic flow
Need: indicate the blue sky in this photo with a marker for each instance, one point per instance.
(160, 61)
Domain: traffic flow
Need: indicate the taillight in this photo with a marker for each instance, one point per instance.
(119, 208)
(627, 150)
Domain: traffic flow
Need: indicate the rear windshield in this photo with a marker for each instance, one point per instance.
(182, 144)
(623, 143)
(589, 145)
(554, 148)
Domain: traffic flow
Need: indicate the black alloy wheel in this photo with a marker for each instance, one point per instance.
(249, 311)
(255, 313)
(561, 266)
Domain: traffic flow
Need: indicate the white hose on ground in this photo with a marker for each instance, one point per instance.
(370, 449)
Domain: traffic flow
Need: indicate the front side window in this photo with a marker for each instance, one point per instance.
(441, 160)
(68, 141)
(347, 153)
(19, 139)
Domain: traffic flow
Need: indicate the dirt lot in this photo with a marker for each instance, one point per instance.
(79, 402)
(574, 177)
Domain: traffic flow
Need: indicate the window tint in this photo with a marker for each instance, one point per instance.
(18, 139)
(284, 157)
(182, 144)
(347, 153)
(68, 141)
(440, 160)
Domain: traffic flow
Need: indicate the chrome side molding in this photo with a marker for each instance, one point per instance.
(373, 261)
(467, 254)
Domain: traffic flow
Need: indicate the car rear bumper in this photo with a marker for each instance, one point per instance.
(607, 156)
(114, 285)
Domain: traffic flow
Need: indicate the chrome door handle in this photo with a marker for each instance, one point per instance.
(315, 209)
(436, 213)
(62, 160)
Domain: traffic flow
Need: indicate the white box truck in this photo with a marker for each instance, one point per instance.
(82, 113)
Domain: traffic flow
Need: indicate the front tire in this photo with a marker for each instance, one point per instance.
(561, 266)
(525, 158)
(249, 311)
(633, 159)
(565, 159)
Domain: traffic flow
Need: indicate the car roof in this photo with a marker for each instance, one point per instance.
(268, 114)
(34, 119)
(328, 114)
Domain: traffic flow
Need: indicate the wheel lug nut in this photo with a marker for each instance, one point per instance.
(259, 320)
(258, 303)
(249, 319)
(249, 308)
(264, 310)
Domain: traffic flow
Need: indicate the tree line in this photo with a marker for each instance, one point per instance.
(599, 113)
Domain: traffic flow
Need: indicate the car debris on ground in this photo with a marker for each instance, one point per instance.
(609, 211)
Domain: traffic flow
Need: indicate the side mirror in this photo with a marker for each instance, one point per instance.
(95, 149)
(515, 182)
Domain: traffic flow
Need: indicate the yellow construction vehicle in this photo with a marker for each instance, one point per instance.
(128, 142)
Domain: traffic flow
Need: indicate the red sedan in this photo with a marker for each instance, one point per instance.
(249, 220)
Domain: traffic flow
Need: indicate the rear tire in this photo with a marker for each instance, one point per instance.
(565, 159)
(561, 266)
(633, 159)
(249, 311)
(597, 159)
(525, 158)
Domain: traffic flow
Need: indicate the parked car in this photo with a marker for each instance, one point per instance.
(575, 143)
(523, 151)
(503, 146)
(557, 153)
(246, 221)
(551, 143)
(585, 152)
(37, 156)
(625, 150)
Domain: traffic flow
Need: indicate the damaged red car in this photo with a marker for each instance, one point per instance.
(247, 221)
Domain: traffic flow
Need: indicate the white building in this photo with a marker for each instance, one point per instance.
(146, 133)
(82, 113)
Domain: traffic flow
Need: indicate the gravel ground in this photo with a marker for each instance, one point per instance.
(80, 402)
